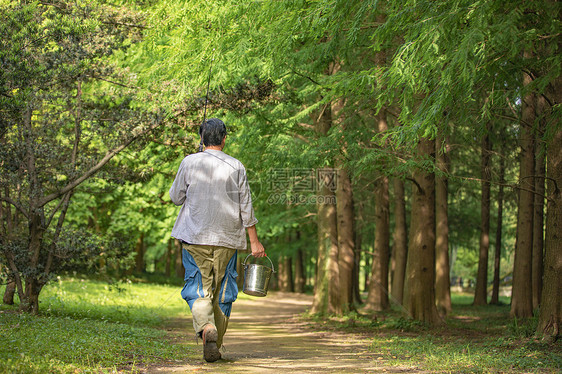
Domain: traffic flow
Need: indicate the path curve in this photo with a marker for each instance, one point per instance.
(265, 336)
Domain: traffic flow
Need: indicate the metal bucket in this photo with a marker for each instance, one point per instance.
(256, 278)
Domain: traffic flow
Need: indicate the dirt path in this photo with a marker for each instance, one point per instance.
(265, 337)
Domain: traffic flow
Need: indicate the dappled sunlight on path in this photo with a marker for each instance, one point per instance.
(264, 336)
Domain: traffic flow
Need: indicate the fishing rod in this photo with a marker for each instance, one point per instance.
(205, 110)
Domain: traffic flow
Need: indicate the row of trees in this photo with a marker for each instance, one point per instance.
(383, 91)
(366, 117)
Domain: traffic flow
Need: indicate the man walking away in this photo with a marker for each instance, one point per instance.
(216, 211)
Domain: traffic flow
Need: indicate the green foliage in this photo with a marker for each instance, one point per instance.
(461, 61)
(67, 110)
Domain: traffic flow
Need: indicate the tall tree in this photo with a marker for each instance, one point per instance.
(442, 277)
(538, 209)
(326, 297)
(419, 292)
(481, 292)
(54, 102)
(377, 298)
(499, 226)
(522, 297)
(400, 247)
(300, 275)
(285, 274)
(550, 318)
(346, 239)
(345, 210)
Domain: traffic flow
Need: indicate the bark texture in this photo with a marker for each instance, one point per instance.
(300, 278)
(326, 298)
(346, 239)
(538, 217)
(400, 248)
(495, 299)
(442, 278)
(480, 293)
(522, 298)
(419, 293)
(550, 316)
(377, 298)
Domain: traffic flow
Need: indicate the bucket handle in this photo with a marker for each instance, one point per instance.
(251, 255)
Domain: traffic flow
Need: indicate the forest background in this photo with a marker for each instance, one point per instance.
(390, 146)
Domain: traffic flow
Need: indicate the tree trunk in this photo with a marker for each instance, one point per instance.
(357, 266)
(522, 298)
(280, 274)
(481, 294)
(169, 254)
(325, 293)
(498, 245)
(326, 299)
(300, 278)
(139, 258)
(9, 293)
(538, 216)
(550, 317)
(400, 250)
(289, 274)
(5, 229)
(34, 282)
(285, 271)
(367, 270)
(346, 239)
(30, 303)
(442, 280)
(419, 292)
(345, 215)
(377, 297)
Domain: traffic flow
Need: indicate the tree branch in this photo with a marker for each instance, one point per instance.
(127, 25)
(305, 76)
(15, 204)
(110, 81)
(17, 278)
(420, 189)
(514, 186)
(94, 169)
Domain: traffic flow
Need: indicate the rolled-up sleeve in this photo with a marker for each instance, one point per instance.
(246, 208)
(179, 187)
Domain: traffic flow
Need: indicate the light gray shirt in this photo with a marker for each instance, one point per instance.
(216, 205)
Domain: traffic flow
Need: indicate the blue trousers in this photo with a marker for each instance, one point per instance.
(210, 285)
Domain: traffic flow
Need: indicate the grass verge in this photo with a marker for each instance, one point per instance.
(87, 326)
(472, 340)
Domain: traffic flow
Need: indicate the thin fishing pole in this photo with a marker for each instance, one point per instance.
(207, 94)
(205, 110)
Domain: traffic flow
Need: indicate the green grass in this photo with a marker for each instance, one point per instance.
(132, 303)
(443, 352)
(90, 326)
(471, 340)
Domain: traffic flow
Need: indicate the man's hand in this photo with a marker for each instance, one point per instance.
(257, 248)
